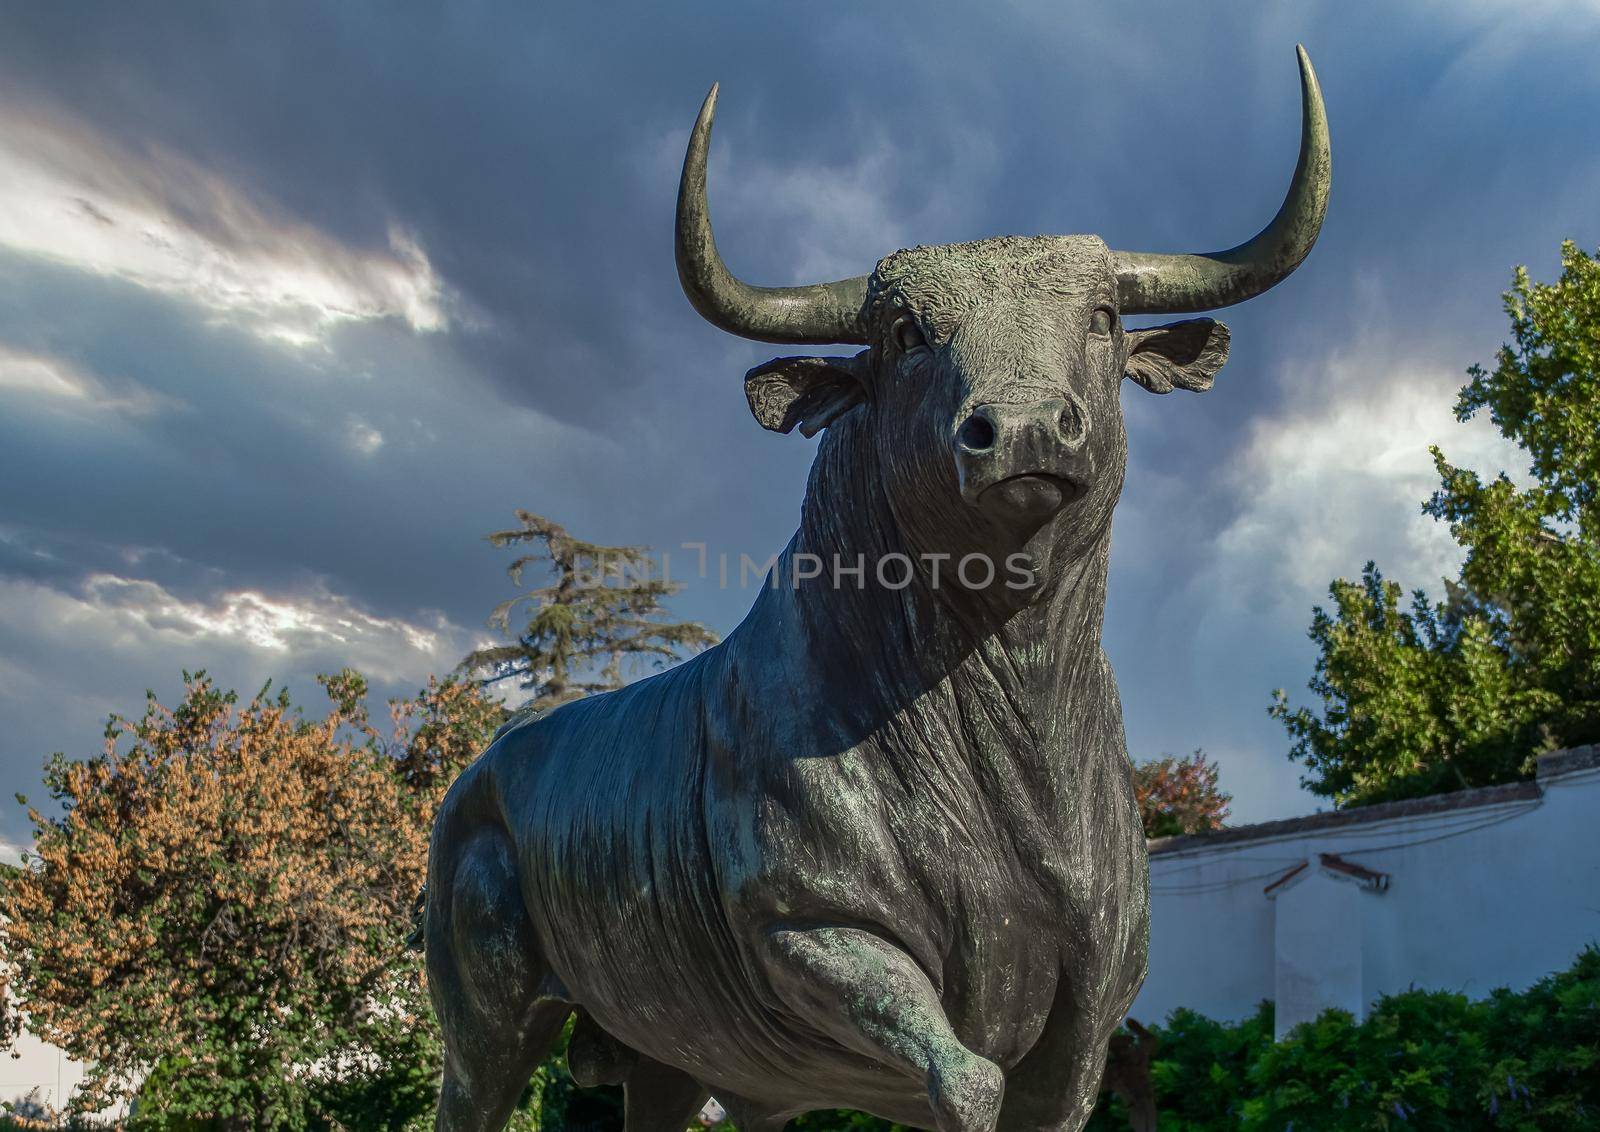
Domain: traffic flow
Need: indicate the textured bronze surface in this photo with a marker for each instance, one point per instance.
(879, 849)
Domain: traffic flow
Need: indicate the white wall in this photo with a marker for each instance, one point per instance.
(37, 1073)
(1317, 947)
(1487, 888)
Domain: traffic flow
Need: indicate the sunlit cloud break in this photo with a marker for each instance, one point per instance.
(56, 380)
(274, 624)
(1338, 477)
(160, 221)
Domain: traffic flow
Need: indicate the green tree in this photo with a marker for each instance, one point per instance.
(1466, 691)
(600, 609)
(1179, 795)
(1533, 557)
(1415, 700)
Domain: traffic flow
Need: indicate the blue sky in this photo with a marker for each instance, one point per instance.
(297, 302)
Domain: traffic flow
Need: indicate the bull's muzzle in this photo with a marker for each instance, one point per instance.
(1020, 463)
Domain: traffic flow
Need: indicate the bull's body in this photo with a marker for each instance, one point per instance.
(968, 800)
(880, 848)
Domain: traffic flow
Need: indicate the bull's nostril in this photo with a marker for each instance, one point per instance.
(976, 434)
(1072, 421)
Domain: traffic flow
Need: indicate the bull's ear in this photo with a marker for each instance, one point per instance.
(809, 392)
(1184, 354)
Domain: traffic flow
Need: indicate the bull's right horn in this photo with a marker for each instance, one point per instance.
(816, 313)
(1171, 284)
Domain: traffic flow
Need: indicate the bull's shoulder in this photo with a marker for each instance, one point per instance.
(609, 743)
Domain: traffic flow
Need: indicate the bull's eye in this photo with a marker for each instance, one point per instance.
(1100, 321)
(908, 335)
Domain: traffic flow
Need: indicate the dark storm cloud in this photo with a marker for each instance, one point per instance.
(532, 156)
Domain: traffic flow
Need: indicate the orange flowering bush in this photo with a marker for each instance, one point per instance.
(214, 919)
(1179, 795)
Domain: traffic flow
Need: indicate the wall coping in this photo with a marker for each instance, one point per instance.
(1552, 765)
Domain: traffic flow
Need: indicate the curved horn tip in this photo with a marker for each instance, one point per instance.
(1148, 283)
(708, 110)
(1308, 73)
(819, 312)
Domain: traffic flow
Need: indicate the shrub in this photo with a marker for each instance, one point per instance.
(1425, 1060)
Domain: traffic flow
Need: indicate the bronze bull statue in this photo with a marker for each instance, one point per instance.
(879, 849)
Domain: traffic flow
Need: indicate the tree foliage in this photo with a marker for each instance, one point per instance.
(1417, 699)
(1519, 1060)
(214, 918)
(600, 609)
(1200, 1073)
(1435, 1060)
(10, 1020)
(1179, 795)
(1429, 696)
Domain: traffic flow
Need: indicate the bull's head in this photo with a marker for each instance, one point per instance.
(992, 369)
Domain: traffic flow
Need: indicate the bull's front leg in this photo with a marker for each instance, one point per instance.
(874, 999)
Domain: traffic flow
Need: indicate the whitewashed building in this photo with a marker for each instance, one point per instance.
(1463, 892)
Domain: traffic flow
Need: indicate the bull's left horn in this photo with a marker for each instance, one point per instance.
(817, 313)
(1149, 283)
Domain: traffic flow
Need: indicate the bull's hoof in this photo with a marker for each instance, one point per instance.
(966, 1094)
